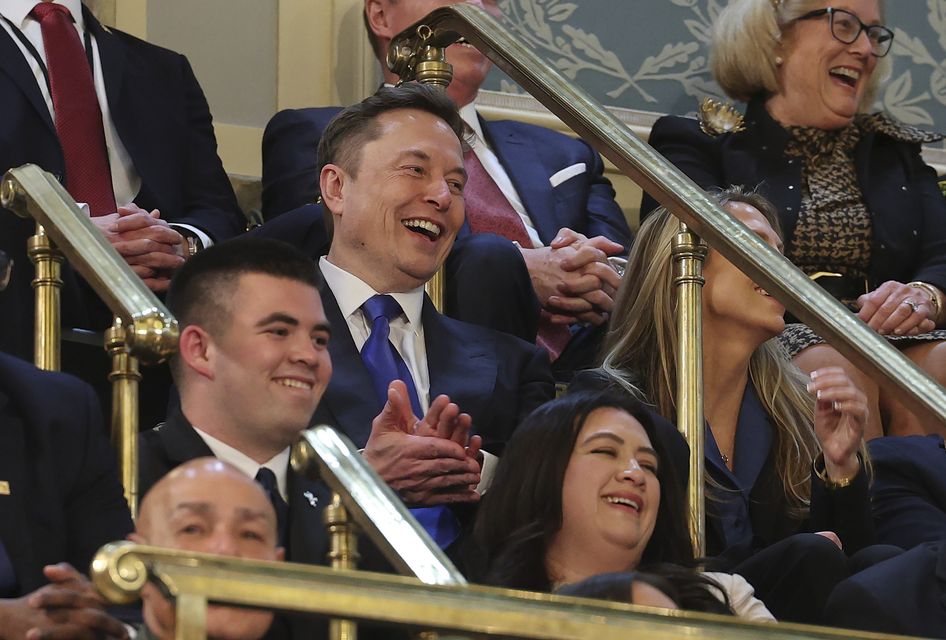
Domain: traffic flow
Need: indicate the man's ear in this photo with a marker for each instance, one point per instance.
(332, 181)
(280, 554)
(136, 537)
(195, 349)
(376, 15)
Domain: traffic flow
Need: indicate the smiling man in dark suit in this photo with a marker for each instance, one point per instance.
(531, 256)
(393, 177)
(125, 126)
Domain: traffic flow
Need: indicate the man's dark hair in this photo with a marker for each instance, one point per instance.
(203, 287)
(356, 126)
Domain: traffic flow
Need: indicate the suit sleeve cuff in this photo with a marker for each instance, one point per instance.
(204, 239)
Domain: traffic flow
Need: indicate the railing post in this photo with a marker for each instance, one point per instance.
(190, 621)
(689, 252)
(124, 377)
(343, 554)
(428, 65)
(47, 284)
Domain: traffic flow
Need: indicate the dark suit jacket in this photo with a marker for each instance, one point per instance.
(530, 155)
(496, 378)
(65, 498)
(904, 595)
(909, 489)
(908, 211)
(175, 442)
(163, 120)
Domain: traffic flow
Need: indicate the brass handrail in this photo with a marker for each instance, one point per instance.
(30, 192)
(143, 328)
(863, 346)
(325, 454)
(121, 569)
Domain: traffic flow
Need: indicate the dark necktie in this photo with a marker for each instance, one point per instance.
(8, 582)
(77, 114)
(488, 211)
(385, 364)
(267, 479)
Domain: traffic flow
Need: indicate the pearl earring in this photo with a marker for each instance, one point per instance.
(779, 61)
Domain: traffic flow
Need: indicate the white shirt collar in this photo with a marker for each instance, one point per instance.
(17, 11)
(468, 113)
(351, 292)
(278, 464)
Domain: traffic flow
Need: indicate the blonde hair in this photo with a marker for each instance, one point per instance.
(640, 350)
(747, 37)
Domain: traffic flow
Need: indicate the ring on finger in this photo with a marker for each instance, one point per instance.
(912, 304)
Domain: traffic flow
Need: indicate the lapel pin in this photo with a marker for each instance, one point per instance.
(313, 500)
(4, 488)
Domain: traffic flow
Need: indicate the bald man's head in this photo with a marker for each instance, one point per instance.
(207, 505)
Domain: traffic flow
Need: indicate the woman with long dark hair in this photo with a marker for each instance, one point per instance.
(586, 487)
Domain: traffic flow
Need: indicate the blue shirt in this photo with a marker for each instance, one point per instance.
(729, 503)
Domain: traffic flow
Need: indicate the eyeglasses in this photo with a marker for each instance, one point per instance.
(846, 27)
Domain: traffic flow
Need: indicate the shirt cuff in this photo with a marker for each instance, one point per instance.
(205, 240)
(489, 470)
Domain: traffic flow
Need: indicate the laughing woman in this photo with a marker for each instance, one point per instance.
(587, 487)
(860, 210)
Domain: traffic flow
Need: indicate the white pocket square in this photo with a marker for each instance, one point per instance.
(568, 172)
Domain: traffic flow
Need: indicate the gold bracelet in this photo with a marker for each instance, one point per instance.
(831, 484)
(936, 300)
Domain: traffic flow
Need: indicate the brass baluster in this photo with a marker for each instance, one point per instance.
(689, 253)
(124, 419)
(428, 65)
(343, 554)
(47, 284)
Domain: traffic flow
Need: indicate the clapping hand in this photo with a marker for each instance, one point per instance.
(424, 460)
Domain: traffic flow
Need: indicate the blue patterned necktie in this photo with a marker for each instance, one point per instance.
(267, 479)
(385, 364)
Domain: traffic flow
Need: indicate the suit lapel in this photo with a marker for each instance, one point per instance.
(112, 57)
(308, 542)
(15, 66)
(459, 365)
(520, 159)
(349, 403)
(180, 441)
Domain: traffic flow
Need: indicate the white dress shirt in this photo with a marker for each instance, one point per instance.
(407, 335)
(278, 464)
(126, 183)
(407, 331)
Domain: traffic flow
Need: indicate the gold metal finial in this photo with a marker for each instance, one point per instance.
(717, 118)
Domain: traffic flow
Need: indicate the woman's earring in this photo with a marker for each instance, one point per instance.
(779, 61)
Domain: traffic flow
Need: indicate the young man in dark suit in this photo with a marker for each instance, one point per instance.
(531, 258)
(60, 500)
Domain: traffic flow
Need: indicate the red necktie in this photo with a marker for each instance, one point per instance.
(488, 211)
(78, 117)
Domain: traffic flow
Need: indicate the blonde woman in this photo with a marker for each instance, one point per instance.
(784, 451)
(861, 211)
